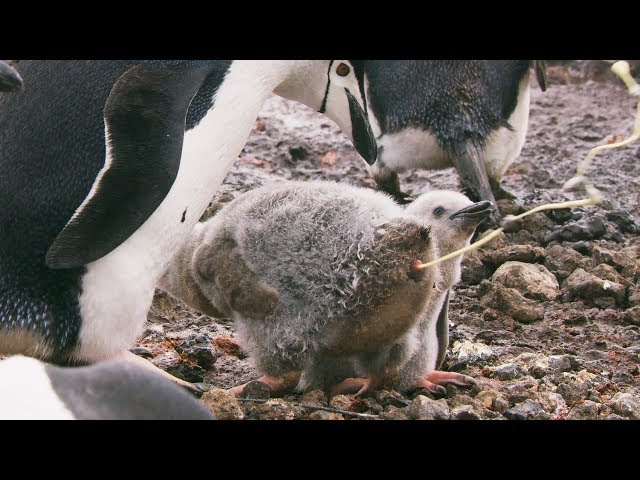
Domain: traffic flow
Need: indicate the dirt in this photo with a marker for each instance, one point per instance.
(579, 358)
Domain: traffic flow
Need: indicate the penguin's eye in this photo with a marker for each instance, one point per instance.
(343, 70)
(438, 211)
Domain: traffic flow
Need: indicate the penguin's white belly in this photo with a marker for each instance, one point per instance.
(430, 339)
(26, 392)
(505, 145)
(411, 148)
(117, 289)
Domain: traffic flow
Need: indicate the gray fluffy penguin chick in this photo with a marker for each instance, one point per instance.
(453, 219)
(340, 263)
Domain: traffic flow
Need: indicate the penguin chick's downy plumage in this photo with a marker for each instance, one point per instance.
(453, 219)
(105, 168)
(433, 114)
(330, 264)
(113, 390)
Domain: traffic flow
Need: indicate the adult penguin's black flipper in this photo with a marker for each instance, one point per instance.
(540, 66)
(442, 331)
(144, 118)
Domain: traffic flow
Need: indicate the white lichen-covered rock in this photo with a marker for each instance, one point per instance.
(530, 279)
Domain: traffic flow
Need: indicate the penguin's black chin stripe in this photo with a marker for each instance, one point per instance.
(363, 138)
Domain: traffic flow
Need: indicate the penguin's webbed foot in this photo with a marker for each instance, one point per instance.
(360, 386)
(434, 381)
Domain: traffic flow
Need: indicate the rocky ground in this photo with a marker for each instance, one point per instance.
(547, 316)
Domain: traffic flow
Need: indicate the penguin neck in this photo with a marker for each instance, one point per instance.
(118, 288)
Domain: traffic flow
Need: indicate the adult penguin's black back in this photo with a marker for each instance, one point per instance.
(434, 113)
(52, 148)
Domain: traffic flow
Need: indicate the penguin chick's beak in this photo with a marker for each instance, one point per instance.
(363, 138)
(10, 80)
(475, 213)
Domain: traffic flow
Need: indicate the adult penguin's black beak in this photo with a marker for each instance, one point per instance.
(10, 80)
(363, 138)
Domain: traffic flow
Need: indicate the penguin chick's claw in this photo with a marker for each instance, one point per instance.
(128, 356)
(359, 386)
(277, 385)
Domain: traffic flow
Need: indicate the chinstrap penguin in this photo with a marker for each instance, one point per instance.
(327, 272)
(111, 390)
(106, 166)
(433, 114)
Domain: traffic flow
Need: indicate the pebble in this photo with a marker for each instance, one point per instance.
(563, 261)
(632, 315)
(587, 287)
(316, 397)
(394, 413)
(513, 303)
(257, 390)
(341, 402)
(586, 410)
(530, 279)
(222, 404)
(626, 404)
(507, 371)
(517, 253)
(464, 412)
(634, 297)
(527, 410)
(587, 228)
(465, 352)
(423, 408)
(198, 349)
(322, 415)
(390, 397)
(276, 409)
(618, 259)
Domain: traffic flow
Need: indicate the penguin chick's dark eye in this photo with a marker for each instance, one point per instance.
(343, 70)
(438, 211)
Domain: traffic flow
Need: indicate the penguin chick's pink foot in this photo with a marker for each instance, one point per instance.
(359, 386)
(277, 385)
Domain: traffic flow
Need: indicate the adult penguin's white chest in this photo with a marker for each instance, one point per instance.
(118, 288)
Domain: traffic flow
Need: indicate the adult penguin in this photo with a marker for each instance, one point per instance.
(433, 114)
(106, 166)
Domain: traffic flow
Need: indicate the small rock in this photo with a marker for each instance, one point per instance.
(624, 220)
(586, 410)
(500, 404)
(587, 228)
(188, 371)
(390, 397)
(527, 410)
(519, 391)
(607, 272)
(316, 397)
(517, 253)
(511, 302)
(365, 405)
(618, 259)
(507, 371)
(563, 261)
(626, 405)
(632, 272)
(587, 287)
(322, 415)
(464, 412)
(552, 402)
(257, 390)
(394, 413)
(229, 346)
(486, 397)
(276, 409)
(466, 352)
(634, 297)
(473, 269)
(632, 315)
(530, 279)
(222, 404)
(341, 402)
(613, 416)
(198, 349)
(423, 408)
(573, 391)
(543, 365)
